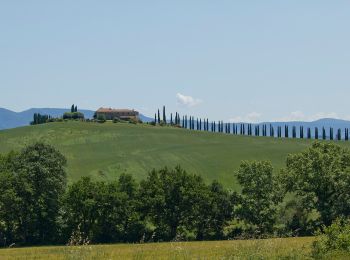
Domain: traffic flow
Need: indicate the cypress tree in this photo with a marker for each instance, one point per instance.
(271, 131)
(158, 116)
(171, 118)
(301, 133)
(76, 109)
(164, 115)
(346, 134)
(72, 109)
(294, 135)
(324, 137)
(339, 134)
(316, 133)
(286, 131)
(308, 133)
(331, 133)
(155, 118)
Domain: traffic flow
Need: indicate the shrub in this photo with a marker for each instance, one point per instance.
(73, 115)
(334, 239)
(101, 118)
(116, 120)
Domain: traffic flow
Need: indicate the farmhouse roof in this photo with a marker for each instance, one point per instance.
(111, 110)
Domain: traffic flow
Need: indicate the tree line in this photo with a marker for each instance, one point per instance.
(267, 130)
(37, 207)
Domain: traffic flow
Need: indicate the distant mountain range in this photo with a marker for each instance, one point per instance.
(10, 119)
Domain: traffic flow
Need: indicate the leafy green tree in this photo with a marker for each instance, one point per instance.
(215, 210)
(171, 200)
(34, 180)
(320, 176)
(104, 212)
(260, 195)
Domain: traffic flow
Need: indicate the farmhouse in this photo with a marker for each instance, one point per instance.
(124, 114)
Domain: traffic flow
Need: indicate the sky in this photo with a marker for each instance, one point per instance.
(223, 60)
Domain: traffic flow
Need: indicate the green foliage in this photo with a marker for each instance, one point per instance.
(320, 177)
(260, 195)
(182, 207)
(332, 240)
(40, 119)
(168, 204)
(101, 118)
(73, 115)
(103, 212)
(33, 182)
(117, 120)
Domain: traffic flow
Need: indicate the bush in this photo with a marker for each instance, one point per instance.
(101, 118)
(73, 115)
(334, 239)
(116, 120)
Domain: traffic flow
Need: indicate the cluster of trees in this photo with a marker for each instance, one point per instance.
(37, 207)
(73, 114)
(192, 123)
(40, 119)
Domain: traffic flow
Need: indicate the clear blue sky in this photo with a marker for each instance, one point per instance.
(238, 60)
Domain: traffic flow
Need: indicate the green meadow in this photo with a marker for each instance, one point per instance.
(104, 151)
(279, 248)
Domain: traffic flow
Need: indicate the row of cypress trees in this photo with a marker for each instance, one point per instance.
(192, 123)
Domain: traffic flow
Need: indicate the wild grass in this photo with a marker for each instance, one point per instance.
(286, 248)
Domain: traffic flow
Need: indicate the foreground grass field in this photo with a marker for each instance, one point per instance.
(104, 151)
(287, 248)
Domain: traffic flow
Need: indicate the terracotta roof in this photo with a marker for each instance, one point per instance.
(106, 110)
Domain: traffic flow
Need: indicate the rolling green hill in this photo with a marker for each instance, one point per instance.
(104, 151)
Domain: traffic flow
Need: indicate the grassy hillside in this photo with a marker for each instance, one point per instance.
(106, 150)
(287, 248)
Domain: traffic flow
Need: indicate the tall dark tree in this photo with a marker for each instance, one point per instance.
(158, 116)
(286, 131)
(339, 136)
(164, 115)
(72, 110)
(308, 133)
(301, 133)
(331, 135)
(294, 132)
